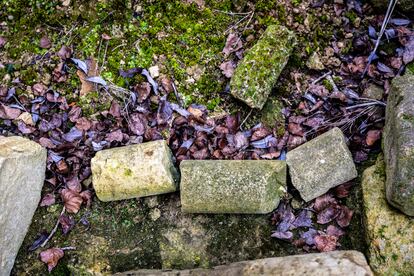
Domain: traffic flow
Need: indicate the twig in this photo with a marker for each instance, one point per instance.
(245, 119)
(68, 248)
(54, 229)
(321, 77)
(387, 17)
(365, 104)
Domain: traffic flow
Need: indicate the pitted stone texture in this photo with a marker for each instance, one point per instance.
(134, 171)
(257, 73)
(399, 144)
(390, 234)
(22, 172)
(232, 186)
(321, 164)
(336, 263)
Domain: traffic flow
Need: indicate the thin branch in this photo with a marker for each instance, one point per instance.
(54, 229)
(68, 248)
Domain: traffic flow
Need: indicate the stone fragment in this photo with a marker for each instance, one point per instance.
(373, 91)
(321, 164)
(22, 172)
(330, 263)
(271, 114)
(231, 186)
(154, 71)
(389, 233)
(399, 144)
(257, 73)
(314, 62)
(134, 171)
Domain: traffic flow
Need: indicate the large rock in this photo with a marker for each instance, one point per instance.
(231, 186)
(390, 234)
(134, 171)
(404, 5)
(399, 144)
(321, 164)
(257, 73)
(317, 264)
(22, 172)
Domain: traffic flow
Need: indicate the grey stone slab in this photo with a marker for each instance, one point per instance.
(22, 172)
(321, 164)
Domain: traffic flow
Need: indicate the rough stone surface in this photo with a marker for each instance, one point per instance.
(373, 91)
(134, 171)
(22, 172)
(231, 186)
(271, 114)
(390, 234)
(404, 5)
(318, 264)
(321, 164)
(257, 73)
(399, 144)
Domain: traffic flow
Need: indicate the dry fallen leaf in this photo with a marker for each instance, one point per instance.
(72, 200)
(227, 68)
(93, 71)
(51, 257)
(373, 136)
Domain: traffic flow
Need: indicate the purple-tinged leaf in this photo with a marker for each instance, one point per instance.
(182, 111)
(73, 134)
(97, 146)
(384, 68)
(150, 80)
(130, 72)
(328, 214)
(206, 129)
(80, 64)
(98, 80)
(165, 111)
(323, 201)
(400, 21)
(54, 156)
(390, 33)
(332, 230)
(303, 219)
(267, 142)
(309, 236)
(372, 32)
(67, 223)
(38, 242)
(344, 217)
(286, 236)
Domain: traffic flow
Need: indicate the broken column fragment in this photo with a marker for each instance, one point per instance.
(321, 164)
(22, 172)
(257, 73)
(134, 171)
(232, 186)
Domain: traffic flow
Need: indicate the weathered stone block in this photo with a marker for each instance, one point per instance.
(321, 164)
(134, 171)
(399, 144)
(390, 234)
(257, 73)
(330, 263)
(231, 186)
(22, 172)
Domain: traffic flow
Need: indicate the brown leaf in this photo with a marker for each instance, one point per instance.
(115, 109)
(47, 200)
(227, 68)
(143, 90)
(323, 201)
(75, 113)
(344, 217)
(106, 36)
(62, 167)
(343, 190)
(9, 113)
(233, 43)
(65, 52)
(39, 89)
(45, 42)
(334, 231)
(373, 136)
(138, 123)
(271, 155)
(87, 197)
(67, 223)
(51, 257)
(83, 124)
(47, 143)
(325, 243)
(72, 200)
(74, 184)
(115, 136)
(166, 83)
(295, 129)
(88, 86)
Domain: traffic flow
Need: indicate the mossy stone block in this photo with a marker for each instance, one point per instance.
(389, 233)
(232, 186)
(399, 144)
(321, 164)
(257, 73)
(134, 171)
